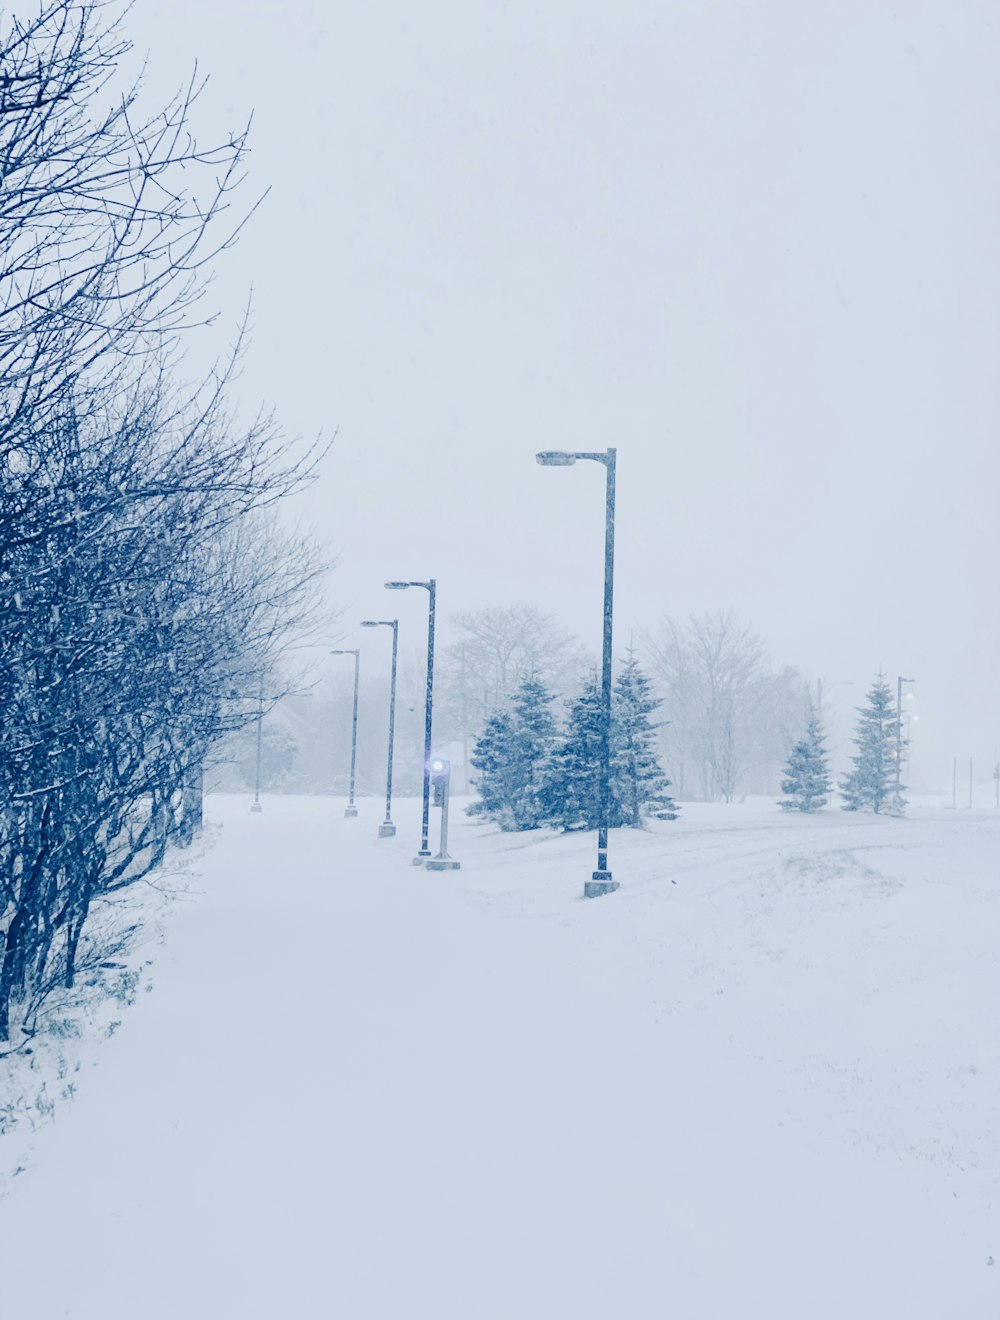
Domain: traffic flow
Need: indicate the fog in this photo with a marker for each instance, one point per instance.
(751, 245)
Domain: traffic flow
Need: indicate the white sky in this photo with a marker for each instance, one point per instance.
(751, 244)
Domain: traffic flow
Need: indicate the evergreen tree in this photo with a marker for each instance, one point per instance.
(639, 786)
(533, 740)
(512, 758)
(871, 785)
(807, 777)
(571, 795)
(491, 757)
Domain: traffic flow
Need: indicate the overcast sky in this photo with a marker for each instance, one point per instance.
(752, 245)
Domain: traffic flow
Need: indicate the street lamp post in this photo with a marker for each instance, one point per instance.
(351, 809)
(387, 829)
(255, 805)
(899, 738)
(601, 882)
(431, 588)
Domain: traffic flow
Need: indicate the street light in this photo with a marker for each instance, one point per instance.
(601, 882)
(351, 809)
(255, 804)
(386, 830)
(440, 768)
(899, 737)
(431, 588)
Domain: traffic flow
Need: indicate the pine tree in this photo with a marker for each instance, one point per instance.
(639, 786)
(871, 785)
(571, 796)
(491, 757)
(533, 739)
(512, 758)
(807, 777)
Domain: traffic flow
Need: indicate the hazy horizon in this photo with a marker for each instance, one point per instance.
(750, 245)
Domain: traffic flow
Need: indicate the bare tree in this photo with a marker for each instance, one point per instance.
(108, 216)
(135, 625)
(495, 649)
(141, 594)
(731, 713)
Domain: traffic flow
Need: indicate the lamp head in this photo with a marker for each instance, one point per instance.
(555, 458)
(369, 623)
(396, 586)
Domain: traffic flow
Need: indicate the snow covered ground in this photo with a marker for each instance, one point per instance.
(760, 1080)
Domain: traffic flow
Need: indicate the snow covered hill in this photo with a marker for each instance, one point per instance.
(760, 1080)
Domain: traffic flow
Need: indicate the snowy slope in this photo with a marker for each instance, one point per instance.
(760, 1080)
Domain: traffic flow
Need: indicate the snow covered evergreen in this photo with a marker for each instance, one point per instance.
(571, 795)
(491, 757)
(871, 785)
(640, 783)
(807, 777)
(512, 757)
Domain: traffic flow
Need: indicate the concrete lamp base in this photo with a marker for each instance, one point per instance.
(350, 812)
(443, 864)
(387, 830)
(601, 882)
(255, 806)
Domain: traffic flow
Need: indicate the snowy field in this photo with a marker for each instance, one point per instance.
(760, 1080)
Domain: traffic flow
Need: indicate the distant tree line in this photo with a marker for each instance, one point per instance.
(144, 584)
(728, 715)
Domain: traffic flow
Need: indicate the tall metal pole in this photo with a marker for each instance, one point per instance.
(425, 851)
(255, 805)
(602, 878)
(954, 783)
(351, 810)
(388, 829)
(899, 738)
(970, 783)
(601, 881)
